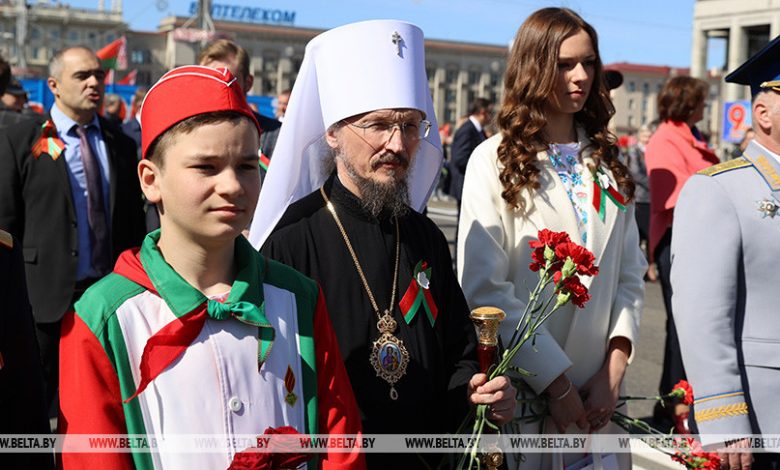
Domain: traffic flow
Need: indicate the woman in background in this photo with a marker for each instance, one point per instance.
(676, 151)
(539, 172)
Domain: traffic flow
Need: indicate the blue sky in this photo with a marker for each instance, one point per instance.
(648, 32)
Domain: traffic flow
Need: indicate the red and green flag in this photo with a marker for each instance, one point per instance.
(114, 55)
(128, 79)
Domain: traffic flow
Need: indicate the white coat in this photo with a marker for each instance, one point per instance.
(493, 260)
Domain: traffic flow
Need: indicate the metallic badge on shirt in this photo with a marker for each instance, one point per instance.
(768, 207)
(289, 384)
(389, 355)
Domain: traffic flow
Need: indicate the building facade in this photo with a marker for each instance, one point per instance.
(746, 28)
(458, 72)
(29, 34)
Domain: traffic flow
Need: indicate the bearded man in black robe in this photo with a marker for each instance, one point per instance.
(356, 168)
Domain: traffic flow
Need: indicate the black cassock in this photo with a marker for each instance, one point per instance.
(432, 394)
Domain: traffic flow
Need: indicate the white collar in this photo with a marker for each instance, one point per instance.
(476, 123)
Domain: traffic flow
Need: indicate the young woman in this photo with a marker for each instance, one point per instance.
(539, 172)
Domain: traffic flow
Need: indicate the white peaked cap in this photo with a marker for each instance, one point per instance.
(349, 70)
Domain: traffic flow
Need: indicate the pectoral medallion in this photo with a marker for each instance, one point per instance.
(389, 356)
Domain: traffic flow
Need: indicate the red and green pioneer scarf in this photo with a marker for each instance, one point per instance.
(603, 189)
(419, 294)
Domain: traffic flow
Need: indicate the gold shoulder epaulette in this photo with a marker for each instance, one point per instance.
(6, 239)
(723, 167)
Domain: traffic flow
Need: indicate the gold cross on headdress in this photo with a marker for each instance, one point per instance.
(397, 41)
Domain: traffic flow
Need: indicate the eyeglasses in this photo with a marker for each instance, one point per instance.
(411, 131)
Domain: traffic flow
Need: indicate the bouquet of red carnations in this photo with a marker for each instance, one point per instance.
(560, 263)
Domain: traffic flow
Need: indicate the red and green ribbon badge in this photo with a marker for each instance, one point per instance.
(602, 189)
(49, 142)
(419, 294)
(264, 161)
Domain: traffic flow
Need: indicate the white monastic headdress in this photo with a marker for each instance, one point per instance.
(350, 70)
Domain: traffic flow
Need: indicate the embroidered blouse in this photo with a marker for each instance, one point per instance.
(567, 162)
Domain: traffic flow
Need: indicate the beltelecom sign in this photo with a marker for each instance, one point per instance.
(221, 11)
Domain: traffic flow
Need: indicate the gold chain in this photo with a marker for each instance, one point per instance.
(332, 210)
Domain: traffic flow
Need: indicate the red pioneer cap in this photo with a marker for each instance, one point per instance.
(188, 91)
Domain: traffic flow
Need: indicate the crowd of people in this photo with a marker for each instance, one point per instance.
(190, 266)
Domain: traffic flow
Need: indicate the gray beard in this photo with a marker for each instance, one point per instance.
(390, 199)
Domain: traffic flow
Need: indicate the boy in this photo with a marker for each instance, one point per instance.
(196, 333)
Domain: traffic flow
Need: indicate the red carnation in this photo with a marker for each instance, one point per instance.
(580, 256)
(698, 460)
(547, 238)
(252, 459)
(579, 293)
(684, 391)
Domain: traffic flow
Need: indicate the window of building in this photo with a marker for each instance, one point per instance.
(449, 96)
(495, 79)
(35, 33)
(644, 104)
(74, 36)
(55, 35)
(110, 37)
(645, 88)
(140, 56)
(631, 103)
(92, 38)
(449, 115)
(474, 77)
(451, 76)
(631, 87)
(631, 122)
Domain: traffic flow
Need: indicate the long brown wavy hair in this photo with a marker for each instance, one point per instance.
(529, 84)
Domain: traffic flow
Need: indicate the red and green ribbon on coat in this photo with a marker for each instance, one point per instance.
(600, 195)
(419, 295)
(49, 142)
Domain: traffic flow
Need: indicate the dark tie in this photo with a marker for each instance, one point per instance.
(96, 211)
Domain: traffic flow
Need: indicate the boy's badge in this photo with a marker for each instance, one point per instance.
(49, 142)
(768, 207)
(418, 294)
(289, 384)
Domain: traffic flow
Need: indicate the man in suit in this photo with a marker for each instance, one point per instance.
(132, 127)
(69, 191)
(466, 139)
(225, 53)
(725, 247)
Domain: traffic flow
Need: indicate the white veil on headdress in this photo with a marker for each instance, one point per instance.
(346, 71)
